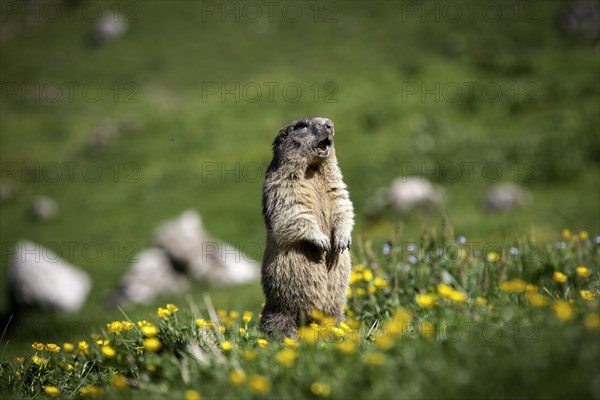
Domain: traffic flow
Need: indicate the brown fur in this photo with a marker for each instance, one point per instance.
(309, 219)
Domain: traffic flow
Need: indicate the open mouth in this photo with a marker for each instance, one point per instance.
(324, 146)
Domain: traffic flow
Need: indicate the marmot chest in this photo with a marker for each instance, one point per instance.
(319, 201)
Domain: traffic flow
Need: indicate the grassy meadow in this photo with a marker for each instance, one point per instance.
(192, 96)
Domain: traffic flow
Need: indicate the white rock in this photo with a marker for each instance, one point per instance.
(407, 193)
(505, 196)
(43, 207)
(38, 277)
(150, 276)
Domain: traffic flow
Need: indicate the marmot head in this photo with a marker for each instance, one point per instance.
(310, 139)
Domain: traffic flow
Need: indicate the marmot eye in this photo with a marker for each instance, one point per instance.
(301, 124)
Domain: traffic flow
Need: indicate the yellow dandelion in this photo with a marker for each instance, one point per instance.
(427, 329)
(320, 389)
(91, 390)
(119, 382)
(222, 328)
(126, 325)
(108, 352)
(444, 290)
(380, 283)
(587, 295)
(583, 271)
(259, 384)
(191, 394)
(52, 391)
(384, 342)
(480, 301)
(367, 275)
(360, 291)
(39, 360)
(262, 343)
(234, 314)
(201, 323)
(308, 335)
(348, 292)
(592, 321)
(492, 256)
(68, 347)
(426, 300)
(513, 286)
(358, 268)
(583, 235)
(114, 327)
(374, 358)
(227, 345)
(249, 354)
(371, 290)
(566, 234)
(529, 288)
(536, 299)
(247, 316)
(151, 368)
(52, 348)
(82, 348)
(152, 344)
(345, 327)
(172, 307)
(38, 346)
(103, 342)
(563, 310)
(237, 377)
(458, 297)
(346, 347)
(242, 331)
(286, 358)
(163, 312)
(290, 343)
(559, 277)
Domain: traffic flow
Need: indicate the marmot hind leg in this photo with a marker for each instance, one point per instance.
(279, 325)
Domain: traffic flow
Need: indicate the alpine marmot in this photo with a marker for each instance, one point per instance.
(309, 220)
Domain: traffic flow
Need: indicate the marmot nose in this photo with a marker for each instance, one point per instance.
(325, 122)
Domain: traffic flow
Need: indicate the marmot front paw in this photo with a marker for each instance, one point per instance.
(322, 242)
(341, 243)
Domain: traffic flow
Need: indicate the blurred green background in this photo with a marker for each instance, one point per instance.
(407, 84)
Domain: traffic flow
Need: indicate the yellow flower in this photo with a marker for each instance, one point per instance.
(380, 283)
(444, 290)
(371, 289)
(227, 345)
(191, 394)
(320, 389)
(148, 329)
(348, 292)
(163, 312)
(480, 301)
(513, 286)
(583, 271)
(234, 314)
(367, 275)
(374, 358)
(237, 377)
(345, 327)
(536, 299)
(152, 344)
(201, 323)
(91, 390)
(566, 234)
(249, 354)
(262, 343)
(587, 295)
(119, 382)
(426, 300)
(221, 313)
(384, 342)
(583, 235)
(52, 348)
(427, 329)
(531, 288)
(39, 360)
(360, 291)
(222, 328)
(358, 268)
(172, 307)
(108, 351)
(290, 343)
(243, 331)
(346, 347)
(51, 391)
(68, 347)
(114, 327)
(308, 335)
(259, 384)
(492, 256)
(247, 316)
(103, 342)
(126, 325)
(286, 358)
(38, 346)
(559, 277)
(458, 297)
(82, 347)
(563, 310)
(592, 321)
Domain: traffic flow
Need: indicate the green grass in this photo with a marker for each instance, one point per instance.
(501, 325)
(169, 55)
